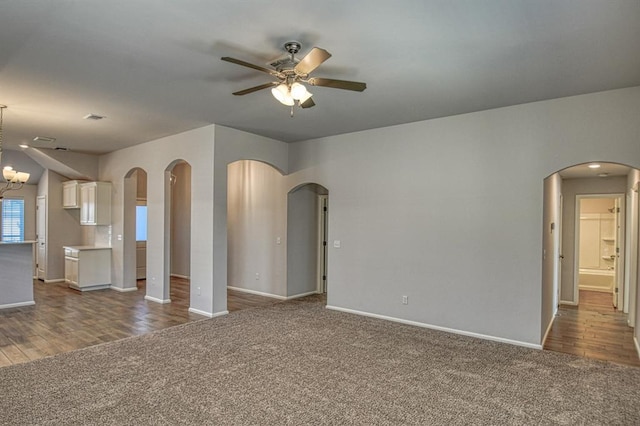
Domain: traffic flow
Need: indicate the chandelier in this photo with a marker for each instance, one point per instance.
(13, 179)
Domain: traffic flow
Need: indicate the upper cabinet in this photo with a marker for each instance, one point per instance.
(95, 206)
(71, 194)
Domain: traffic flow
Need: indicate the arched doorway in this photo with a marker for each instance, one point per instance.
(307, 220)
(590, 260)
(177, 262)
(135, 227)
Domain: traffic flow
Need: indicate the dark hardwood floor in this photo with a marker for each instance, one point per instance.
(63, 319)
(594, 329)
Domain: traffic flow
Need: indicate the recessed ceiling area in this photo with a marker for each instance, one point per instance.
(584, 171)
(153, 68)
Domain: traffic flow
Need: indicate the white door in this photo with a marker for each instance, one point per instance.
(41, 231)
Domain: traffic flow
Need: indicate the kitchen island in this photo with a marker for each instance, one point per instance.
(16, 274)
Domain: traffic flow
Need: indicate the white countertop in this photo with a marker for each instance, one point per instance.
(17, 242)
(88, 247)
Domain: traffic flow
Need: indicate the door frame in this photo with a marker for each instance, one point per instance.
(576, 246)
(323, 213)
(41, 234)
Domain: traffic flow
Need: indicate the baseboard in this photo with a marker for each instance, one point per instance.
(546, 333)
(203, 313)
(297, 296)
(595, 288)
(123, 290)
(220, 314)
(438, 328)
(568, 302)
(153, 299)
(257, 293)
(186, 277)
(59, 280)
(17, 305)
(635, 340)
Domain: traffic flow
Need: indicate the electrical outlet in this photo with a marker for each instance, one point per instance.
(257, 276)
(199, 292)
(405, 300)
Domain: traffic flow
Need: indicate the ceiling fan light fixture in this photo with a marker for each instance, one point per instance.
(306, 96)
(298, 91)
(282, 94)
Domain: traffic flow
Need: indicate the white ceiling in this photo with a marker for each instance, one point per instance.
(153, 67)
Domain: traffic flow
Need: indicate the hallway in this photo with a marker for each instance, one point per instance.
(594, 329)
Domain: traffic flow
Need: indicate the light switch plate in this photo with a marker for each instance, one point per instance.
(336, 243)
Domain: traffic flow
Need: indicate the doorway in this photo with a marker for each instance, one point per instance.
(307, 220)
(599, 265)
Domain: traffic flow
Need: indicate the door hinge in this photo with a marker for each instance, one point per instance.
(324, 208)
(324, 243)
(616, 290)
(324, 278)
(618, 250)
(618, 210)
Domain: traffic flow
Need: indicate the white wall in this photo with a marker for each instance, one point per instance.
(571, 188)
(632, 259)
(256, 220)
(450, 211)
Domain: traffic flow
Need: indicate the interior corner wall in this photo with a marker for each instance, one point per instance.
(570, 189)
(256, 228)
(449, 212)
(232, 145)
(632, 248)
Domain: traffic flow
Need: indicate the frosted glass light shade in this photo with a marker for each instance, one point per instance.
(298, 91)
(8, 174)
(22, 177)
(282, 94)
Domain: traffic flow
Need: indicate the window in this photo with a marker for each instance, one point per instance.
(141, 223)
(12, 219)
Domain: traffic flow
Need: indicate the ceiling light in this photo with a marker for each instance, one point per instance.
(44, 139)
(594, 166)
(283, 94)
(298, 91)
(23, 145)
(93, 117)
(14, 179)
(603, 174)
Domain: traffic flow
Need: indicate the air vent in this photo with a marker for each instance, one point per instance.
(93, 117)
(44, 139)
(61, 148)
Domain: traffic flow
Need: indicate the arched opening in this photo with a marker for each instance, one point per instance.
(590, 261)
(135, 229)
(307, 220)
(177, 235)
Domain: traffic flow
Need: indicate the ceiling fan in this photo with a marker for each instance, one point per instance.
(291, 72)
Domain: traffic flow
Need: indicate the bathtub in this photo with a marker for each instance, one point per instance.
(596, 279)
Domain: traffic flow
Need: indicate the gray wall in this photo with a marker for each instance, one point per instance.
(571, 188)
(302, 240)
(450, 211)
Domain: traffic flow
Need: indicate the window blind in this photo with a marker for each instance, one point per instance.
(12, 219)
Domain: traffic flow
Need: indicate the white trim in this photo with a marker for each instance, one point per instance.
(635, 340)
(59, 280)
(203, 313)
(568, 302)
(186, 277)
(220, 314)
(595, 288)
(546, 333)
(439, 328)
(153, 299)
(123, 290)
(297, 296)
(17, 305)
(257, 293)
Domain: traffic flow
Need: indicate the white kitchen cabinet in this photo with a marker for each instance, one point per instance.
(71, 194)
(96, 203)
(87, 267)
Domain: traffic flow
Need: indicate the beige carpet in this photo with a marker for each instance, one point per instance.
(298, 363)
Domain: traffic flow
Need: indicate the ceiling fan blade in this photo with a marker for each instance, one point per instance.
(338, 84)
(311, 61)
(256, 88)
(248, 65)
(308, 103)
